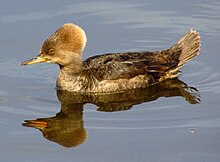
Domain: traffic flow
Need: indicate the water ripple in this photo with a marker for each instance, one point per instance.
(133, 14)
(206, 79)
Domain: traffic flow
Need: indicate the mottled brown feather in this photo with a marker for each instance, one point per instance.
(127, 65)
(160, 64)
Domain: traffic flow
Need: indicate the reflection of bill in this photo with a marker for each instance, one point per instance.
(66, 128)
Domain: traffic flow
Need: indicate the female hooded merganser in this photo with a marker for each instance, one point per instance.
(113, 72)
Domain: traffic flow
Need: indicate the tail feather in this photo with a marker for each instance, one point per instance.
(189, 46)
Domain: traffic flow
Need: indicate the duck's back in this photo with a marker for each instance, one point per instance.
(158, 65)
(128, 65)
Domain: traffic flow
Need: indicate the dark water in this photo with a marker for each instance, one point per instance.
(158, 124)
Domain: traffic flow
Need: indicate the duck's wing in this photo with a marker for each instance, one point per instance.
(160, 65)
(128, 65)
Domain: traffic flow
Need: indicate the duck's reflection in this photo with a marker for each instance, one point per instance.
(66, 128)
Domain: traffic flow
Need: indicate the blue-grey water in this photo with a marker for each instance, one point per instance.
(167, 129)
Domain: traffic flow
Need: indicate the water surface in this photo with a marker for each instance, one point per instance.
(162, 126)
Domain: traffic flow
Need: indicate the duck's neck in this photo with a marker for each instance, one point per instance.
(72, 65)
(72, 69)
(70, 73)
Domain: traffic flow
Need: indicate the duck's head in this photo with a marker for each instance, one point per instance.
(63, 47)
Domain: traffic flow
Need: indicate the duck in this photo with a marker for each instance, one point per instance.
(111, 72)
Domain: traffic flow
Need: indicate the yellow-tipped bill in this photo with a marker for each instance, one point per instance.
(35, 60)
(39, 124)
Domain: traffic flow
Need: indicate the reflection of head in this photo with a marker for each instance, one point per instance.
(66, 128)
(67, 138)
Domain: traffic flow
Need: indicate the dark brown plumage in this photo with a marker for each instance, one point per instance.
(113, 72)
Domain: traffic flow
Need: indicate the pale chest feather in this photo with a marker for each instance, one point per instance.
(74, 83)
(90, 84)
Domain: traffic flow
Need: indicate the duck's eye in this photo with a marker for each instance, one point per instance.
(51, 51)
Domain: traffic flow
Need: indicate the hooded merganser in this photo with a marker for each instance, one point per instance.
(112, 72)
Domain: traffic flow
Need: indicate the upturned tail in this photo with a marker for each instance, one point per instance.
(184, 50)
